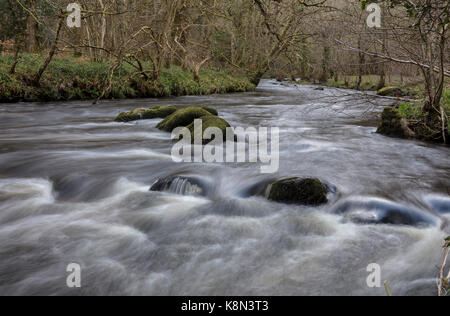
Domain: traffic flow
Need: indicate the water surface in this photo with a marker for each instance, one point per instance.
(74, 188)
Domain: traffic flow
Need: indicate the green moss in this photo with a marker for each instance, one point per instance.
(146, 114)
(182, 118)
(211, 110)
(411, 111)
(391, 92)
(211, 121)
(298, 191)
(393, 124)
(77, 79)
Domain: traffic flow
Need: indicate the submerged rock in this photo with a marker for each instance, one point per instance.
(391, 92)
(393, 124)
(440, 204)
(298, 191)
(182, 118)
(181, 185)
(379, 211)
(146, 114)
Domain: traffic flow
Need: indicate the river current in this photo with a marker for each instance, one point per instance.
(74, 188)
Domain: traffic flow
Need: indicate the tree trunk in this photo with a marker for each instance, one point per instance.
(12, 71)
(32, 29)
(362, 60)
(51, 53)
(382, 66)
(326, 60)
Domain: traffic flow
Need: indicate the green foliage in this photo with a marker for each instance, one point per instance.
(411, 111)
(71, 78)
(446, 105)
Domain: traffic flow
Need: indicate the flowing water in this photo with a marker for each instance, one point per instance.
(74, 188)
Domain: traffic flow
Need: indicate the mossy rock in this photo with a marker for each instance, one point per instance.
(308, 191)
(211, 121)
(146, 114)
(211, 110)
(393, 124)
(391, 92)
(182, 118)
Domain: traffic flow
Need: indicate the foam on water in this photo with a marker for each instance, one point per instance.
(83, 197)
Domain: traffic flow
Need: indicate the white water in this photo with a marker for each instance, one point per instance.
(81, 196)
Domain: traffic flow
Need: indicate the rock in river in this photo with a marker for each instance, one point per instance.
(183, 117)
(182, 185)
(380, 211)
(146, 114)
(298, 191)
(391, 92)
(211, 121)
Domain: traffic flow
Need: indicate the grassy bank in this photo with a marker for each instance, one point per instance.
(407, 120)
(77, 79)
(412, 112)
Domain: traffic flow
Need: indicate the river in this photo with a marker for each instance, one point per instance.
(74, 188)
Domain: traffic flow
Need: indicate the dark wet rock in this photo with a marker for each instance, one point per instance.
(440, 204)
(146, 114)
(319, 89)
(378, 211)
(182, 185)
(182, 118)
(391, 92)
(393, 124)
(298, 191)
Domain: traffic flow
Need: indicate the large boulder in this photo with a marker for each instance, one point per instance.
(393, 124)
(391, 92)
(307, 191)
(211, 121)
(182, 118)
(146, 114)
(211, 110)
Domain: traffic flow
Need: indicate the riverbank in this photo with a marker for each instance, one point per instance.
(408, 87)
(403, 119)
(76, 79)
(414, 116)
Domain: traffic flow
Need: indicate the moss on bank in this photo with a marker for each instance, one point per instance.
(77, 79)
(409, 121)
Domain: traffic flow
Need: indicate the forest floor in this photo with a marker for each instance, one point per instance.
(72, 78)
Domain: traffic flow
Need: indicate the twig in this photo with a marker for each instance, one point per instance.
(442, 279)
(388, 288)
